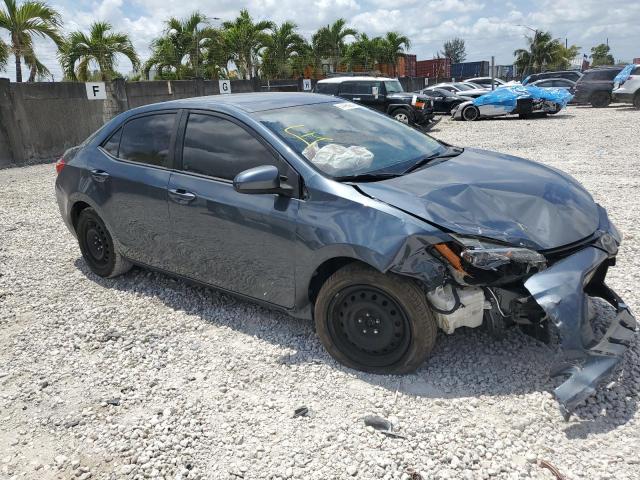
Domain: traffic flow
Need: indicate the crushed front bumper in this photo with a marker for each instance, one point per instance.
(564, 291)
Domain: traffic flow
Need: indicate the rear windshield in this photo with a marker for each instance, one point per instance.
(347, 139)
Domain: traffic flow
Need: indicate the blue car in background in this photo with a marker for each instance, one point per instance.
(330, 211)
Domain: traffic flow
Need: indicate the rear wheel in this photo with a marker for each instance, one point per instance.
(600, 100)
(97, 246)
(374, 322)
(636, 100)
(470, 113)
(402, 115)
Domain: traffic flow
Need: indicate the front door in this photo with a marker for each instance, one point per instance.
(239, 242)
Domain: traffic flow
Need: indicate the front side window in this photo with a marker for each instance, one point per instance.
(147, 139)
(393, 86)
(344, 138)
(217, 147)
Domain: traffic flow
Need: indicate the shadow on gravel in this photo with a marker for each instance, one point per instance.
(468, 364)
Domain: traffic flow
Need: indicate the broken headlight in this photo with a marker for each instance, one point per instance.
(492, 256)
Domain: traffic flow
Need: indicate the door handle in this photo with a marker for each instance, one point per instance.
(181, 196)
(355, 99)
(99, 175)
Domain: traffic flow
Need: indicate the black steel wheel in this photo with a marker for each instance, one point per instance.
(600, 99)
(374, 322)
(97, 246)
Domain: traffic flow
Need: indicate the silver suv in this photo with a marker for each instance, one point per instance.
(626, 85)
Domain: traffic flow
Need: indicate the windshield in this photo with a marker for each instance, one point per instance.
(443, 92)
(462, 86)
(345, 139)
(393, 86)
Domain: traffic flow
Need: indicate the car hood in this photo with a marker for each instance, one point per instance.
(496, 196)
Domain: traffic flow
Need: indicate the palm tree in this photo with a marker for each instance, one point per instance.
(246, 39)
(365, 52)
(543, 51)
(100, 47)
(31, 18)
(331, 40)
(179, 43)
(280, 47)
(216, 53)
(4, 54)
(395, 45)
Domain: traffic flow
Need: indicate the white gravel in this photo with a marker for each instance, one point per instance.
(145, 377)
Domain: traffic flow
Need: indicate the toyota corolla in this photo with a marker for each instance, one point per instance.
(333, 212)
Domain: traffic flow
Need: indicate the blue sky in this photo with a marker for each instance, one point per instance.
(489, 27)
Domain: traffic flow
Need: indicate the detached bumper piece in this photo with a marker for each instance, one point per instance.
(563, 291)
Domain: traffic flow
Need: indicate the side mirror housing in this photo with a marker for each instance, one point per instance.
(262, 179)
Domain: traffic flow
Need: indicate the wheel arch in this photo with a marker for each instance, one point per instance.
(325, 270)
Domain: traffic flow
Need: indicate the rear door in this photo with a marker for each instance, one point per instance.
(369, 93)
(130, 180)
(239, 242)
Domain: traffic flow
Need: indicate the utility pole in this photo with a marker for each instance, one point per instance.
(493, 72)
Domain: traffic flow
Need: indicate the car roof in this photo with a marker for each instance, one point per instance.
(345, 79)
(248, 102)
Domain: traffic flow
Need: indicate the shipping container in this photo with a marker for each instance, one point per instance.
(435, 68)
(460, 71)
(407, 65)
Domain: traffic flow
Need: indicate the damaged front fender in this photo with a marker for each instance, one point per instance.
(564, 291)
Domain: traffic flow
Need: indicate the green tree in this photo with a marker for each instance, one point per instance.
(365, 52)
(245, 39)
(394, 45)
(330, 40)
(23, 22)
(455, 49)
(79, 52)
(177, 53)
(281, 46)
(543, 52)
(600, 55)
(4, 54)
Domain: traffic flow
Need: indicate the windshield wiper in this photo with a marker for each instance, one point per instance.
(366, 177)
(450, 152)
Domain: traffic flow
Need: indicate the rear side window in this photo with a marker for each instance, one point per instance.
(217, 147)
(347, 87)
(113, 143)
(327, 88)
(602, 74)
(147, 139)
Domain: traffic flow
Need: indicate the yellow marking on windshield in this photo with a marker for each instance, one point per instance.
(316, 136)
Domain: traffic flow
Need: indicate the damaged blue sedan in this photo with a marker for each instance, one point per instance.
(333, 212)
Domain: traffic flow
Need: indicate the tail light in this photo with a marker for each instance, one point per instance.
(60, 165)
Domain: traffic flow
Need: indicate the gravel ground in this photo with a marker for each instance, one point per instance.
(144, 376)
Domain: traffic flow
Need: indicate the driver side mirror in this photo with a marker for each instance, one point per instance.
(263, 179)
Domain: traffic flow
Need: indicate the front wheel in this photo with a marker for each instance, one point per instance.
(403, 116)
(470, 113)
(374, 322)
(97, 246)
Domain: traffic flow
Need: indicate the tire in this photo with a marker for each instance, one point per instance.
(600, 100)
(97, 246)
(470, 113)
(557, 110)
(374, 322)
(402, 115)
(636, 100)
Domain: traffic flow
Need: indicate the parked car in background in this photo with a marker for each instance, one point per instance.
(572, 75)
(443, 100)
(555, 83)
(383, 94)
(485, 82)
(460, 88)
(525, 101)
(626, 85)
(596, 86)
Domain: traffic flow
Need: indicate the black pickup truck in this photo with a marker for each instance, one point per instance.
(382, 94)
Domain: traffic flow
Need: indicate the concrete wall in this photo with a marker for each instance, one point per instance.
(39, 121)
